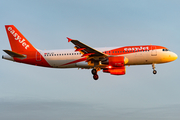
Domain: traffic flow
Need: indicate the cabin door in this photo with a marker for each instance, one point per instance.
(153, 51)
(38, 56)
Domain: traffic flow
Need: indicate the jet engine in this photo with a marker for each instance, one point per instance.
(116, 65)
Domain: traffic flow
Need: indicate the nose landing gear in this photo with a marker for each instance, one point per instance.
(154, 71)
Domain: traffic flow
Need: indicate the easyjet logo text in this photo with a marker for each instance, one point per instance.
(18, 38)
(136, 48)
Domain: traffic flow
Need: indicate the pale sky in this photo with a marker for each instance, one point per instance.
(36, 93)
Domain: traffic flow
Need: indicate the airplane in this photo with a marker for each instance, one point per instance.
(111, 60)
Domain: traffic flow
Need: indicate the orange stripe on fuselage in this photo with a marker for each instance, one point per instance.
(76, 61)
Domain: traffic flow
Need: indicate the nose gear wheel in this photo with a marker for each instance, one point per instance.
(154, 71)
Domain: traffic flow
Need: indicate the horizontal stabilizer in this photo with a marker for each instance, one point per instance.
(14, 54)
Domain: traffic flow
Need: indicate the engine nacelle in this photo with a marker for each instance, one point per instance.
(116, 70)
(117, 61)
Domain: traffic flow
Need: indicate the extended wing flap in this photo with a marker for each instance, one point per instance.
(14, 54)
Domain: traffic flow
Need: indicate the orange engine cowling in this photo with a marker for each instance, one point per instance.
(118, 61)
(116, 70)
(116, 65)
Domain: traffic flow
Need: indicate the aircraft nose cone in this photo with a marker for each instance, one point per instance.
(174, 56)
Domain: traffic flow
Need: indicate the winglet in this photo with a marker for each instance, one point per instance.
(69, 39)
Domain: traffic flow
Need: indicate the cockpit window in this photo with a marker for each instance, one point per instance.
(165, 50)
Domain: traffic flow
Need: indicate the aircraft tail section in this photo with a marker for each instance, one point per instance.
(22, 50)
(17, 41)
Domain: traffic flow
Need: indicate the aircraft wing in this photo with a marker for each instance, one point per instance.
(87, 51)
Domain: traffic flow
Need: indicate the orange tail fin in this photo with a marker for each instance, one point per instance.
(17, 41)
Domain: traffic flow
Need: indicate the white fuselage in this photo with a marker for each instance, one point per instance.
(59, 58)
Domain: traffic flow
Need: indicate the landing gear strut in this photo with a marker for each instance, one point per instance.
(95, 75)
(154, 71)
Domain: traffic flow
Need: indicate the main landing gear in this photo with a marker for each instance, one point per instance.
(154, 71)
(95, 75)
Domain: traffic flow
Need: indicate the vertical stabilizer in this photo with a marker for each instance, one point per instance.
(17, 41)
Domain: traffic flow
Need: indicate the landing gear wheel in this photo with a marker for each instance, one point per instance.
(153, 67)
(94, 71)
(154, 71)
(95, 77)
